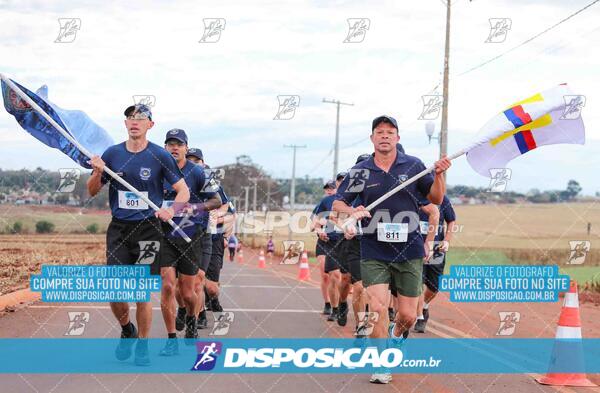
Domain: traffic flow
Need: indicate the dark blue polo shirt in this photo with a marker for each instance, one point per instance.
(195, 178)
(324, 210)
(145, 170)
(402, 207)
(447, 215)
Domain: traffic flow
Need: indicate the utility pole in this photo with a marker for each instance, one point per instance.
(293, 184)
(246, 189)
(255, 181)
(337, 133)
(444, 126)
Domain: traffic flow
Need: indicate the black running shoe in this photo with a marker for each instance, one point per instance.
(171, 348)
(142, 358)
(180, 319)
(191, 328)
(420, 326)
(215, 305)
(334, 315)
(343, 314)
(202, 321)
(123, 351)
(327, 309)
(391, 314)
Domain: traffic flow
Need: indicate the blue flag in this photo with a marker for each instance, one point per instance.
(90, 135)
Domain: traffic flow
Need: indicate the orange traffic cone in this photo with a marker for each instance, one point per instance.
(240, 256)
(569, 327)
(304, 272)
(261, 260)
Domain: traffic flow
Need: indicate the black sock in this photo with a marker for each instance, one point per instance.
(327, 304)
(172, 335)
(190, 320)
(390, 310)
(180, 310)
(335, 309)
(127, 329)
(202, 314)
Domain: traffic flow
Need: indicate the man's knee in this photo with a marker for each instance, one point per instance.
(406, 317)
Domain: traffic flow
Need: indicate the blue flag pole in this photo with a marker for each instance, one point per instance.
(81, 148)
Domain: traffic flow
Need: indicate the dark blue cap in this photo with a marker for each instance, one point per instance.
(384, 119)
(195, 152)
(341, 175)
(138, 108)
(330, 184)
(178, 134)
(363, 157)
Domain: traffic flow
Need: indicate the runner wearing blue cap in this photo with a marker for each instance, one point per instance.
(433, 268)
(180, 262)
(134, 235)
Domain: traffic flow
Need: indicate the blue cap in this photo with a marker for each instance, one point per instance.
(330, 184)
(138, 108)
(178, 134)
(195, 152)
(384, 119)
(341, 175)
(363, 157)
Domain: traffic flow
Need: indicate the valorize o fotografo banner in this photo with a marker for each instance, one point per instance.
(504, 283)
(95, 283)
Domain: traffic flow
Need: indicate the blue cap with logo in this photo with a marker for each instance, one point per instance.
(341, 175)
(384, 119)
(195, 152)
(330, 184)
(177, 134)
(138, 108)
(363, 157)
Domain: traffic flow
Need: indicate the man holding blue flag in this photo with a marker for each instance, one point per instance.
(134, 235)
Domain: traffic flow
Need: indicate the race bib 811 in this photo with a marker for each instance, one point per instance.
(392, 233)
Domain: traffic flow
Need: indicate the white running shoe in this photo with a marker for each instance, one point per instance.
(381, 378)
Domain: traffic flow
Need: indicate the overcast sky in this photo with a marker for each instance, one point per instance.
(224, 94)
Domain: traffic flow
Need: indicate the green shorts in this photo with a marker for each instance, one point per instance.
(405, 278)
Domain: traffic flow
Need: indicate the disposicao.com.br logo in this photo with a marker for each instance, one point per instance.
(284, 359)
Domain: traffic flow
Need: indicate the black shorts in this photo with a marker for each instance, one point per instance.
(321, 248)
(134, 243)
(216, 259)
(432, 273)
(178, 253)
(203, 248)
(334, 257)
(351, 257)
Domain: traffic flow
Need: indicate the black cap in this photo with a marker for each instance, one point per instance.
(139, 108)
(384, 119)
(195, 152)
(330, 184)
(177, 134)
(341, 175)
(363, 157)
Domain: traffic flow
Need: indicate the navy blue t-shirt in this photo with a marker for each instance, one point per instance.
(400, 208)
(324, 210)
(230, 210)
(447, 215)
(195, 179)
(146, 171)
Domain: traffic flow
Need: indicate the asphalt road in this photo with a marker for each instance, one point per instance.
(271, 302)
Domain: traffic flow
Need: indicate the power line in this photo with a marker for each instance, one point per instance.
(529, 39)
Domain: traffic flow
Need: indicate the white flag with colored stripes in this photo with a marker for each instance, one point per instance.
(547, 118)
